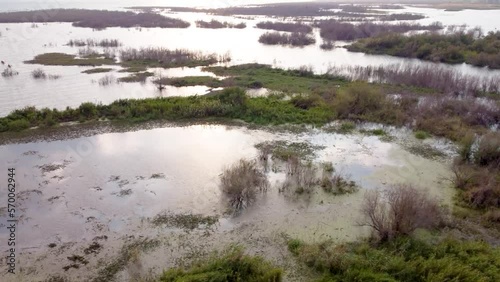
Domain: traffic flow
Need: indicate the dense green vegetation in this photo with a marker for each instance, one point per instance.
(289, 81)
(404, 259)
(458, 47)
(232, 265)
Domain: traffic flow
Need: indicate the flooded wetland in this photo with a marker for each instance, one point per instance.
(288, 141)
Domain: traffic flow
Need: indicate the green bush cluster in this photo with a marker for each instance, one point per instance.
(455, 48)
(404, 259)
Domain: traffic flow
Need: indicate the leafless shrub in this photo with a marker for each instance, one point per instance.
(284, 26)
(39, 74)
(327, 45)
(301, 177)
(241, 184)
(9, 72)
(95, 43)
(439, 78)
(488, 150)
(399, 211)
(107, 80)
(167, 58)
(294, 39)
(87, 52)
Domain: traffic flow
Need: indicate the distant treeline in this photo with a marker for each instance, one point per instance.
(94, 18)
(335, 30)
(282, 26)
(470, 47)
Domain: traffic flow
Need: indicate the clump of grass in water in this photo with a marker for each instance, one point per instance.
(231, 265)
(335, 182)
(241, 183)
(283, 150)
(127, 252)
(97, 70)
(184, 221)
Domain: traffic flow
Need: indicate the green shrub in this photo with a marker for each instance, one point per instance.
(488, 151)
(422, 135)
(233, 265)
(18, 125)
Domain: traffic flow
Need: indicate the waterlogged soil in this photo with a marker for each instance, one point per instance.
(130, 204)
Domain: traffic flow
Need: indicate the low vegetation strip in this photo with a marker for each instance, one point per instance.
(404, 259)
(98, 19)
(213, 24)
(335, 30)
(460, 47)
(285, 26)
(231, 265)
(60, 59)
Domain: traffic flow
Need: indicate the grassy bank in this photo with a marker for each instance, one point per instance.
(98, 19)
(404, 259)
(460, 47)
(231, 265)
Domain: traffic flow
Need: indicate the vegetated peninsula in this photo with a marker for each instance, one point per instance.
(97, 19)
(472, 47)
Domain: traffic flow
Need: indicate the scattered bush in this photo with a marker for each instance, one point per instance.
(95, 43)
(241, 184)
(9, 72)
(488, 150)
(403, 210)
(107, 80)
(39, 74)
(293, 39)
(421, 135)
(161, 57)
(337, 184)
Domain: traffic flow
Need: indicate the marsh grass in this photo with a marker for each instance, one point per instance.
(184, 221)
(39, 74)
(60, 59)
(9, 72)
(403, 259)
(241, 183)
(97, 70)
(337, 183)
(230, 265)
(136, 77)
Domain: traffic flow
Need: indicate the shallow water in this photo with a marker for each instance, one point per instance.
(67, 204)
(21, 42)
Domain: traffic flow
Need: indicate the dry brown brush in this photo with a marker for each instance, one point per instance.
(399, 211)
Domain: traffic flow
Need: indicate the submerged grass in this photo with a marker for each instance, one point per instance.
(97, 70)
